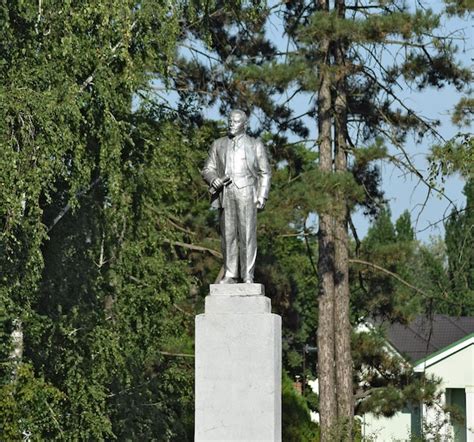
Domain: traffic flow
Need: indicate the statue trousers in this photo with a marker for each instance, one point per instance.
(238, 223)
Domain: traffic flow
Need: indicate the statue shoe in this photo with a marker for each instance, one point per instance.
(248, 281)
(227, 280)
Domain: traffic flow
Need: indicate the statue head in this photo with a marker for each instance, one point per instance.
(237, 122)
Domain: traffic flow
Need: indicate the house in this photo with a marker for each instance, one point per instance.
(442, 346)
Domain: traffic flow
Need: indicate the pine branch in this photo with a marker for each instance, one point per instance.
(389, 92)
(220, 275)
(171, 220)
(310, 255)
(355, 235)
(363, 394)
(204, 54)
(177, 307)
(182, 229)
(453, 213)
(409, 166)
(186, 89)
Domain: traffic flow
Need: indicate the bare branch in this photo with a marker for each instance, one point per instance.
(428, 126)
(195, 247)
(220, 275)
(393, 275)
(177, 307)
(68, 206)
(178, 355)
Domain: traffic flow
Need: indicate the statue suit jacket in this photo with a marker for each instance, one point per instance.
(257, 163)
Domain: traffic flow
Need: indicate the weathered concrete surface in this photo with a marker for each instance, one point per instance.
(238, 366)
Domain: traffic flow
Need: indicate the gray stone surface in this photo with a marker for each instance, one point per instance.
(237, 290)
(235, 304)
(238, 367)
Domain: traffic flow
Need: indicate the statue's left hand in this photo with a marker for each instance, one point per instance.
(261, 203)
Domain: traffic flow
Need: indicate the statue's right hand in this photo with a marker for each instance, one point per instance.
(217, 183)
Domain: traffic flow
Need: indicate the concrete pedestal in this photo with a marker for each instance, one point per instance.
(238, 366)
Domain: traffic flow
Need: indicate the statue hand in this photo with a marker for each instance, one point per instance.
(261, 203)
(217, 183)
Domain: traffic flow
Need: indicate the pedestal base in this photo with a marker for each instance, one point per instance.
(238, 366)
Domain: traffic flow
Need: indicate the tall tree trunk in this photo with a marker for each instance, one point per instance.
(326, 357)
(341, 276)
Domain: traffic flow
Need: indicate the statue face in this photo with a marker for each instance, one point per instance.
(237, 123)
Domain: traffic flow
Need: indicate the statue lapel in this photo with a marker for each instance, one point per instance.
(249, 153)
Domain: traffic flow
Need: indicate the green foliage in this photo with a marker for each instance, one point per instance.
(403, 227)
(386, 382)
(459, 7)
(459, 249)
(30, 407)
(463, 112)
(246, 69)
(390, 250)
(107, 244)
(87, 189)
(296, 422)
(374, 28)
(457, 155)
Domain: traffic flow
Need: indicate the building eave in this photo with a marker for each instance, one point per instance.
(422, 364)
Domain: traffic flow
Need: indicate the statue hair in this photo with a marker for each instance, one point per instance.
(241, 113)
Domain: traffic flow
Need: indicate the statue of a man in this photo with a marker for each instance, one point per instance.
(238, 173)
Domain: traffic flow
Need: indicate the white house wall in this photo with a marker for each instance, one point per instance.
(455, 367)
(456, 370)
(396, 428)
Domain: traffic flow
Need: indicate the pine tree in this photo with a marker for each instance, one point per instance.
(459, 247)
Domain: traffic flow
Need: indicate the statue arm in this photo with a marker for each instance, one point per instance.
(264, 171)
(209, 171)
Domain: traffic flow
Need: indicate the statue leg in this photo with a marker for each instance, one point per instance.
(228, 223)
(247, 227)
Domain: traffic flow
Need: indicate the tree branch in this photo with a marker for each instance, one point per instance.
(68, 206)
(393, 275)
(90, 78)
(195, 247)
(178, 355)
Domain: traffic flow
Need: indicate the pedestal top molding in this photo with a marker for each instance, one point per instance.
(237, 290)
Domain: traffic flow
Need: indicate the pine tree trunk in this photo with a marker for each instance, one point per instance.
(345, 408)
(326, 357)
(341, 287)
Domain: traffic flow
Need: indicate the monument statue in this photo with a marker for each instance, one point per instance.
(238, 173)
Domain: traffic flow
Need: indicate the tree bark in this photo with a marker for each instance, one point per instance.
(345, 408)
(325, 336)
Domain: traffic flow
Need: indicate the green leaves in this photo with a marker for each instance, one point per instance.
(30, 407)
(86, 262)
